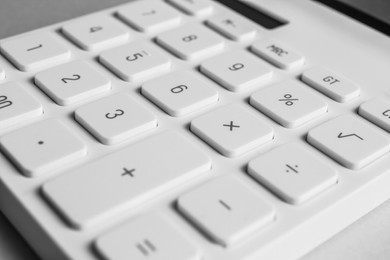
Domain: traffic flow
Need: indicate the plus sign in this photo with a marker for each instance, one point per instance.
(128, 172)
(231, 125)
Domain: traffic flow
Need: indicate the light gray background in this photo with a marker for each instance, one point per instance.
(368, 238)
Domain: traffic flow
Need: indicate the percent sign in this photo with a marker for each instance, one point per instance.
(288, 100)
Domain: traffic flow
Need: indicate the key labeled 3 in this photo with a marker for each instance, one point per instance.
(116, 118)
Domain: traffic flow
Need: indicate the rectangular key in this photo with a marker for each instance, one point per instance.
(34, 51)
(278, 54)
(330, 84)
(351, 141)
(135, 60)
(125, 179)
(150, 237)
(226, 209)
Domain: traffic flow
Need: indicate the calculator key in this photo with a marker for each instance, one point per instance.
(193, 41)
(180, 93)
(149, 237)
(278, 54)
(96, 32)
(35, 51)
(330, 84)
(289, 103)
(350, 141)
(134, 61)
(125, 179)
(232, 130)
(293, 173)
(236, 70)
(197, 8)
(377, 111)
(17, 105)
(226, 209)
(150, 16)
(39, 148)
(233, 26)
(72, 82)
(116, 118)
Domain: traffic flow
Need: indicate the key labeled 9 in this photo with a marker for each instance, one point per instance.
(236, 66)
(179, 89)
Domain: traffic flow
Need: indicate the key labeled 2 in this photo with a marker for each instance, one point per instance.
(72, 82)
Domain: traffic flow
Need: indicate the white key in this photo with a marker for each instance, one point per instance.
(35, 51)
(199, 8)
(151, 237)
(17, 105)
(193, 41)
(350, 141)
(96, 32)
(116, 118)
(72, 82)
(226, 209)
(236, 70)
(293, 173)
(278, 54)
(125, 179)
(289, 103)
(42, 147)
(232, 130)
(233, 26)
(150, 16)
(2, 74)
(330, 84)
(377, 111)
(136, 60)
(180, 93)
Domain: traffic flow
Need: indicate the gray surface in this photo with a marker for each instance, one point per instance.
(368, 238)
(376, 8)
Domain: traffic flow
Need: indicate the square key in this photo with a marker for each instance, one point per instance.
(349, 140)
(96, 32)
(72, 82)
(232, 130)
(293, 173)
(17, 105)
(34, 51)
(180, 93)
(115, 118)
(236, 70)
(135, 60)
(289, 103)
(150, 16)
(193, 41)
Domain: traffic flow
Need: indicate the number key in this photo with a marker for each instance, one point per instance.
(180, 93)
(72, 82)
(114, 119)
(192, 41)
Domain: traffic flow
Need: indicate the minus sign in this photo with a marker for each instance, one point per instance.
(225, 205)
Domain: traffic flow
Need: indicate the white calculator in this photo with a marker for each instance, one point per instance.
(195, 129)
